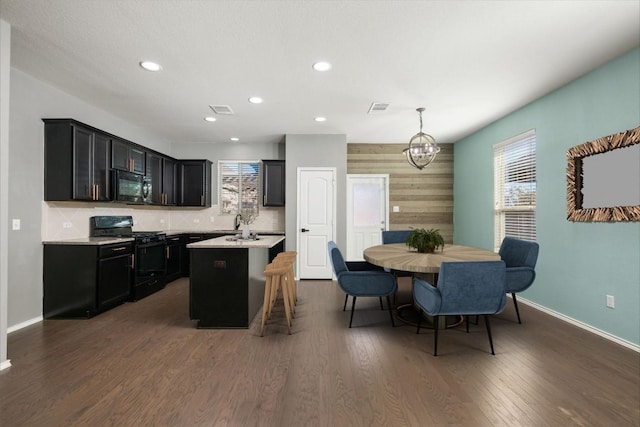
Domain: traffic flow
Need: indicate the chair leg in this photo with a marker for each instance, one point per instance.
(353, 308)
(381, 307)
(486, 321)
(390, 311)
(265, 304)
(419, 320)
(346, 297)
(286, 298)
(515, 303)
(436, 320)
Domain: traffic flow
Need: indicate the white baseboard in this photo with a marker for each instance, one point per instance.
(582, 325)
(5, 364)
(24, 324)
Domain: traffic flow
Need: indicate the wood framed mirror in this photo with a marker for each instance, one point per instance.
(603, 179)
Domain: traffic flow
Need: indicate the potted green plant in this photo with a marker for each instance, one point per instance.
(425, 241)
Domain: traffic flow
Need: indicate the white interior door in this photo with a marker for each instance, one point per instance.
(316, 221)
(367, 212)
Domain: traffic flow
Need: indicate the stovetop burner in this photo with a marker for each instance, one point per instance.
(149, 236)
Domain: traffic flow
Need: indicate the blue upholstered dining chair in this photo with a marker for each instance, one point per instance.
(395, 236)
(520, 256)
(464, 288)
(363, 283)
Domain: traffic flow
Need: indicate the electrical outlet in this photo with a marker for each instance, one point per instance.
(67, 225)
(15, 224)
(611, 301)
(161, 220)
(212, 218)
(196, 220)
(396, 208)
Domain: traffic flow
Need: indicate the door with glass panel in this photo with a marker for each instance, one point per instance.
(367, 212)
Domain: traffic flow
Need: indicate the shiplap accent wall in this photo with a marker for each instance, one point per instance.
(425, 197)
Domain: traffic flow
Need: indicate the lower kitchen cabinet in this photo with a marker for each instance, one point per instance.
(84, 280)
(192, 238)
(176, 245)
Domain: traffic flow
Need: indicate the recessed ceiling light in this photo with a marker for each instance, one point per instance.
(150, 66)
(255, 100)
(320, 119)
(210, 119)
(322, 66)
(234, 139)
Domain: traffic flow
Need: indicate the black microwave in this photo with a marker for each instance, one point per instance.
(130, 187)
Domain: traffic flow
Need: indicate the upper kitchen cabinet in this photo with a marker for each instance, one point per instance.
(127, 156)
(273, 182)
(194, 183)
(161, 173)
(77, 160)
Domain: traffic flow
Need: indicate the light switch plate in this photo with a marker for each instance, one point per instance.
(15, 224)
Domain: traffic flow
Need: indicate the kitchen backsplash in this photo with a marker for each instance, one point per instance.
(70, 220)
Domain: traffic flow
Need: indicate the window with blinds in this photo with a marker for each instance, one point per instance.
(239, 184)
(515, 188)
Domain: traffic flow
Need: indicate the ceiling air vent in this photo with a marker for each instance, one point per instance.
(221, 109)
(378, 107)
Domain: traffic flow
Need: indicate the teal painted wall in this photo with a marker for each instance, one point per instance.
(579, 263)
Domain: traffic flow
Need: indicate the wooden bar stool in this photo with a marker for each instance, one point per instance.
(275, 280)
(290, 256)
(289, 279)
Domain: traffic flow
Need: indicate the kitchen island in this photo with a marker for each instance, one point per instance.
(226, 285)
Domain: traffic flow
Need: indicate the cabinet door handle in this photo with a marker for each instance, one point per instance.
(201, 200)
(119, 249)
(264, 199)
(166, 251)
(133, 261)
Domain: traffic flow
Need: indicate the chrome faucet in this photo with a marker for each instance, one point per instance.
(238, 220)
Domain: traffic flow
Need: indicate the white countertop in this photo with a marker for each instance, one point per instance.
(169, 233)
(222, 242)
(90, 241)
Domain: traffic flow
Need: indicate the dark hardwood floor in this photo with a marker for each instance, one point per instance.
(144, 363)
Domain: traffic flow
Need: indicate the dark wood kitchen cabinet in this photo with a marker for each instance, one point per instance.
(273, 182)
(127, 156)
(77, 159)
(192, 238)
(84, 280)
(194, 183)
(176, 246)
(161, 172)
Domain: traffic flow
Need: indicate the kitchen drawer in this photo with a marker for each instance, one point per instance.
(115, 250)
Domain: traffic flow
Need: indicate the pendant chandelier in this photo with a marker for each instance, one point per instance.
(422, 148)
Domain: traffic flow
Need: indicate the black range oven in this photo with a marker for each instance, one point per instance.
(150, 261)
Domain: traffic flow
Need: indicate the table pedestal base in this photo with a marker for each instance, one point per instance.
(408, 314)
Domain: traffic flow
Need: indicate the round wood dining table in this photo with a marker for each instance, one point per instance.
(398, 256)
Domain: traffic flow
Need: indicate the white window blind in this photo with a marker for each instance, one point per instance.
(515, 188)
(239, 183)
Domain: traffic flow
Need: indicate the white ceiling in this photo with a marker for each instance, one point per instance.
(467, 62)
